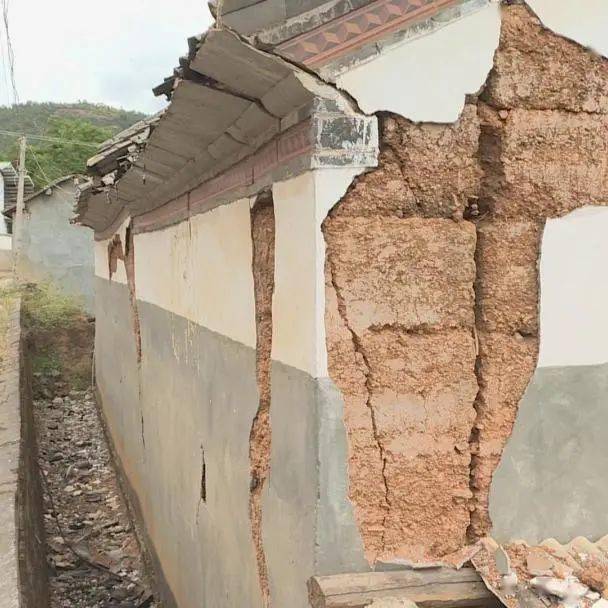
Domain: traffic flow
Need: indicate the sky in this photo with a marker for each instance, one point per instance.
(112, 52)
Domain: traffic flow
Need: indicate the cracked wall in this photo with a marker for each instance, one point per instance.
(432, 286)
(400, 323)
(262, 236)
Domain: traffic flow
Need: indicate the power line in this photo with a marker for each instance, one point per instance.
(4, 67)
(57, 140)
(10, 51)
(48, 179)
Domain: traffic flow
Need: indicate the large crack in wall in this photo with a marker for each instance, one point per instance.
(263, 239)
(408, 377)
(433, 288)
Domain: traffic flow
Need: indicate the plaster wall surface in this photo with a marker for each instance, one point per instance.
(550, 480)
(301, 205)
(426, 79)
(193, 395)
(54, 250)
(585, 22)
(574, 290)
(201, 270)
(6, 242)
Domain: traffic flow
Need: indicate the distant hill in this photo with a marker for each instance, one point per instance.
(34, 118)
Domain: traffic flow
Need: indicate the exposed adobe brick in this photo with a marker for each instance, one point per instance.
(115, 253)
(408, 272)
(129, 259)
(380, 192)
(539, 70)
(388, 277)
(439, 162)
(422, 388)
(507, 285)
(348, 368)
(543, 164)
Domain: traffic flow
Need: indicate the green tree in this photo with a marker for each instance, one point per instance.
(49, 160)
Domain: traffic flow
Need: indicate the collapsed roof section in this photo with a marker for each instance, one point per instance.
(239, 119)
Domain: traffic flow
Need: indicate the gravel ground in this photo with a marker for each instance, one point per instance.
(93, 555)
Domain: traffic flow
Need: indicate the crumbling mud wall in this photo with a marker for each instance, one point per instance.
(432, 285)
(400, 332)
(263, 241)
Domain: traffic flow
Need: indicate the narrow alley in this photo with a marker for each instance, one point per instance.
(93, 554)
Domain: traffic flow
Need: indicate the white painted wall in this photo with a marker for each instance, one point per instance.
(426, 79)
(300, 206)
(6, 242)
(584, 21)
(574, 289)
(202, 271)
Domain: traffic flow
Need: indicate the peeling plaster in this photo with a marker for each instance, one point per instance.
(102, 261)
(585, 21)
(427, 79)
(301, 204)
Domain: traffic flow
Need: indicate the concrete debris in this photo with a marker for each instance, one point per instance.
(570, 591)
(573, 575)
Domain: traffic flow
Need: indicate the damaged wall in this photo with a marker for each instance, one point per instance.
(404, 331)
(192, 396)
(400, 322)
(432, 275)
(232, 378)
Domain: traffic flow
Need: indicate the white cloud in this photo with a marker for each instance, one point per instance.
(114, 52)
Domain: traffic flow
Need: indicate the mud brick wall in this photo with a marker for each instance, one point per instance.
(432, 286)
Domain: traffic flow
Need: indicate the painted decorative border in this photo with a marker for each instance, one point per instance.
(293, 143)
(357, 28)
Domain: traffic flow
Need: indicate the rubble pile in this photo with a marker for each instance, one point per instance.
(94, 557)
(550, 574)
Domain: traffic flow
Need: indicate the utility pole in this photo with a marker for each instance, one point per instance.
(19, 212)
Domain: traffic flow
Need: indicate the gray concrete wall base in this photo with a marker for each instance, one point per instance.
(191, 400)
(551, 482)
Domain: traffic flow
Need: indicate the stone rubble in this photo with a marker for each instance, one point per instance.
(93, 554)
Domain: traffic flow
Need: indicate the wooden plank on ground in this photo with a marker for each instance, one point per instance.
(428, 588)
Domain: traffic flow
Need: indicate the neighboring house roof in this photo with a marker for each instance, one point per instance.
(10, 208)
(11, 183)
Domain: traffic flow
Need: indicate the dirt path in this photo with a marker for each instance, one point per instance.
(93, 555)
